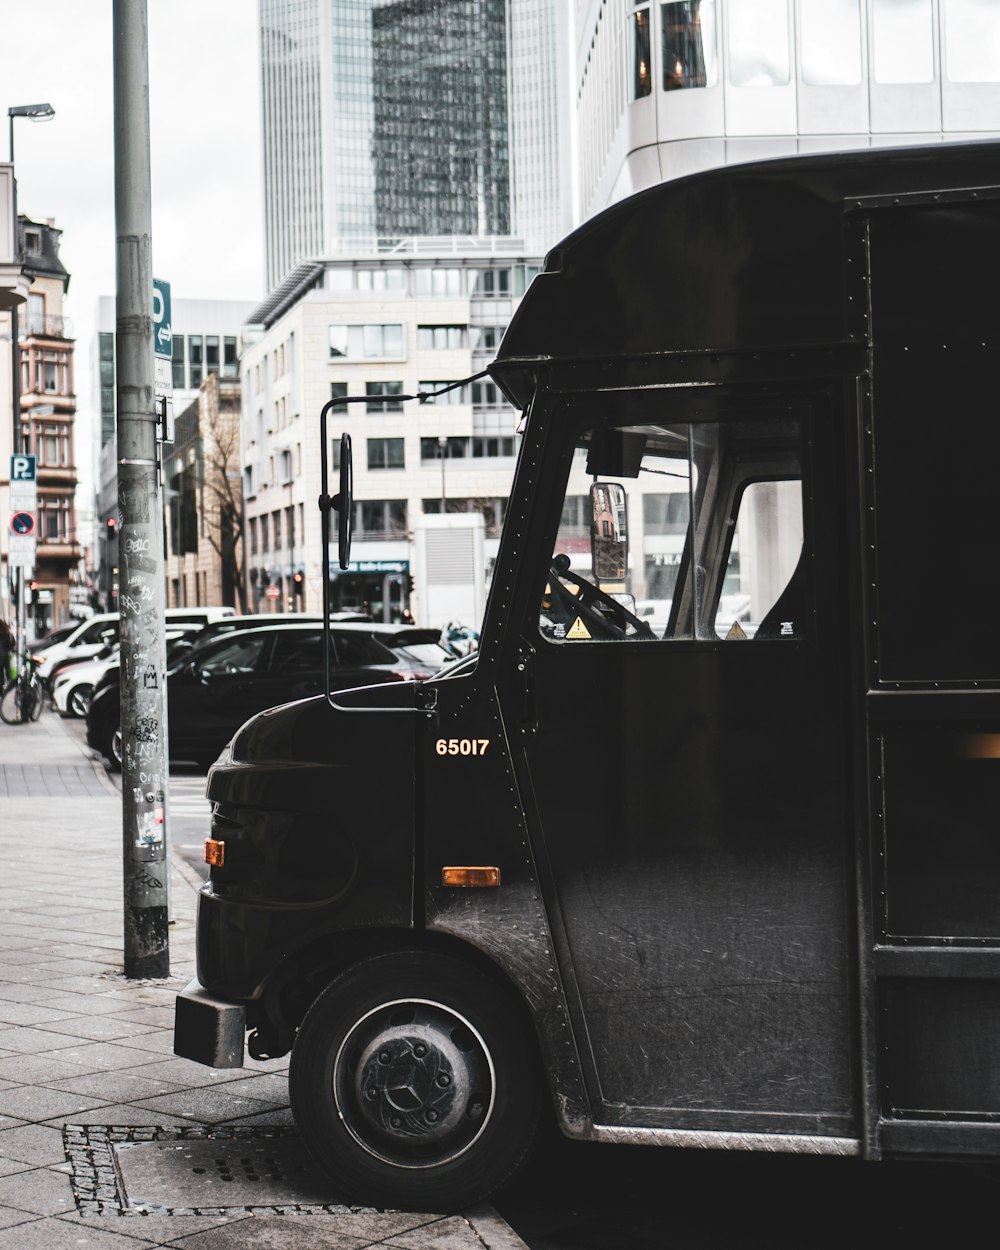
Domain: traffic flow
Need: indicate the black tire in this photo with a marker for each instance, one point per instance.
(79, 700)
(414, 1084)
(38, 700)
(111, 748)
(10, 705)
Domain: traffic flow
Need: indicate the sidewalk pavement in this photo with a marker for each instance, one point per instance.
(107, 1140)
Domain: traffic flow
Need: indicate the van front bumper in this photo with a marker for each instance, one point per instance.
(207, 1029)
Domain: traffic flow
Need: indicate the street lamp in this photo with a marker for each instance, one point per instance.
(35, 112)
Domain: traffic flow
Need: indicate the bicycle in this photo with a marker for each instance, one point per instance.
(23, 698)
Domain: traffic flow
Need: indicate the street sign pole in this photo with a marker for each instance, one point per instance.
(21, 536)
(146, 861)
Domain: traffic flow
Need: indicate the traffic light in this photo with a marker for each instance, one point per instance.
(297, 582)
(112, 526)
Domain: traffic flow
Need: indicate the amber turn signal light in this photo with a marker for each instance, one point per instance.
(215, 852)
(471, 878)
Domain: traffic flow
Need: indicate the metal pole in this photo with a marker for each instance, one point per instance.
(146, 862)
(443, 449)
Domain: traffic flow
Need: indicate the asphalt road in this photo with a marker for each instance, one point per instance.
(580, 1196)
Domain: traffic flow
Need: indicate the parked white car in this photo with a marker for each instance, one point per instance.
(74, 686)
(98, 632)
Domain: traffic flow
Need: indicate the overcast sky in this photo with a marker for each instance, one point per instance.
(204, 134)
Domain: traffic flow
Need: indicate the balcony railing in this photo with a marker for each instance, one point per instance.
(49, 327)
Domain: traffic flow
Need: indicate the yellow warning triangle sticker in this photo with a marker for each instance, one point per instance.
(736, 630)
(578, 630)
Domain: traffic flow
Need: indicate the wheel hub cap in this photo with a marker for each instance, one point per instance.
(414, 1083)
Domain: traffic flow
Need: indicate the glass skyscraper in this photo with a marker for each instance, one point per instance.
(387, 118)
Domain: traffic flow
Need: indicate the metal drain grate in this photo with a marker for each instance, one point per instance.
(218, 1173)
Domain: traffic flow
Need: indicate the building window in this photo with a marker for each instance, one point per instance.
(177, 362)
(492, 510)
(276, 528)
(338, 390)
(381, 279)
(666, 513)
(211, 353)
(970, 38)
(439, 281)
(367, 342)
(688, 44)
(903, 35)
(641, 79)
(831, 43)
(492, 447)
(230, 357)
(384, 396)
(491, 282)
(385, 453)
(454, 448)
(376, 519)
(486, 338)
(196, 359)
(458, 395)
(36, 314)
(758, 44)
(524, 275)
(253, 535)
(439, 338)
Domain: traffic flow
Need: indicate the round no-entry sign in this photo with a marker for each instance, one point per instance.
(22, 523)
(272, 592)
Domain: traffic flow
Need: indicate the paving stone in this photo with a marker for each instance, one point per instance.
(205, 1106)
(266, 1086)
(264, 1232)
(43, 1191)
(68, 1233)
(39, 1069)
(94, 1055)
(33, 1041)
(98, 1028)
(115, 1086)
(37, 1144)
(30, 1013)
(38, 1102)
(161, 1042)
(9, 1216)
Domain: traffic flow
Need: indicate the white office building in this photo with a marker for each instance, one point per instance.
(668, 87)
(385, 119)
(380, 327)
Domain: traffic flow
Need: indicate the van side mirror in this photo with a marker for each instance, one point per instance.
(608, 532)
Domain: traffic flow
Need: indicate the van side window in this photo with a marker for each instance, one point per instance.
(681, 531)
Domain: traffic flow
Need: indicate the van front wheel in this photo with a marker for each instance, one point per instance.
(413, 1083)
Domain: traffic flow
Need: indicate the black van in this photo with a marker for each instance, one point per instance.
(732, 881)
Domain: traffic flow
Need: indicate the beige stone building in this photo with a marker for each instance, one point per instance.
(47, 415)
(204, 501)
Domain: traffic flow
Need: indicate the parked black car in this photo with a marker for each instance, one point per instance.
(213, 689)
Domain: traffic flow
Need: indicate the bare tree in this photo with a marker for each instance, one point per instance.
(221, 482)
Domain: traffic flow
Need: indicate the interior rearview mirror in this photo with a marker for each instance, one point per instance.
(609, 532)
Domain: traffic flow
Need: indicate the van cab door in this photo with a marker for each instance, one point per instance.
(690, 785)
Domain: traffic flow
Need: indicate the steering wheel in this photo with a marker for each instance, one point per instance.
(595, 606)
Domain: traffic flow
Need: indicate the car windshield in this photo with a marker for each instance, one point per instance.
(430, 652)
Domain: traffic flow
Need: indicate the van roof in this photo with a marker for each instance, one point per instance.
(744, 257)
